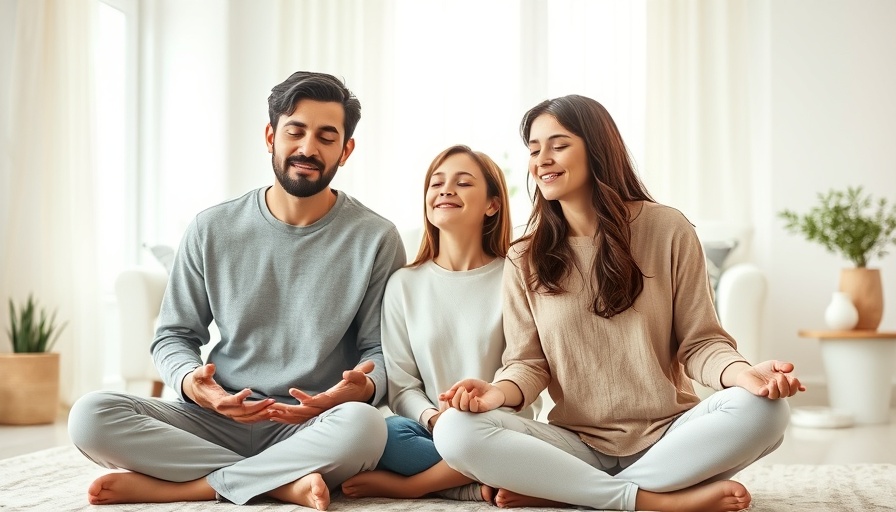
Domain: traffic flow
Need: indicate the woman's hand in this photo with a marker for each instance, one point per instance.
(771, 379)
(474, 395)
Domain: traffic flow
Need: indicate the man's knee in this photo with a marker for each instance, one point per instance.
(88, 417)
(364, 428)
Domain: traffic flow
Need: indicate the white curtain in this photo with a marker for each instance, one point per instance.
(48, 241)
(704, 81)
(434, 73)
(353, 40)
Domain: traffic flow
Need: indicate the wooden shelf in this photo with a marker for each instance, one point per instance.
(854, 334)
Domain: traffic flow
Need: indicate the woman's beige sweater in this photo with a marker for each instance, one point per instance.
(619, 382)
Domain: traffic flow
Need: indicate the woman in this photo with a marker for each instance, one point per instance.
(441, 322)
(607, 304)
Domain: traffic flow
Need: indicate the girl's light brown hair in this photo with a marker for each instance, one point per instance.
(496, 229)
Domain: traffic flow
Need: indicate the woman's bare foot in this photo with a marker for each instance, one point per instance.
(309, 491)
(724, 496)
(510, 499)
(128, 487)
(488, 493)
(384, 484)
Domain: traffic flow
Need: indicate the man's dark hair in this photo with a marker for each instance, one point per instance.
(313, 86)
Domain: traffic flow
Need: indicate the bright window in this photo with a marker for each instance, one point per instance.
(114, 68)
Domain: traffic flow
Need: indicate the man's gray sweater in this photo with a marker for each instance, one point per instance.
(296, 306)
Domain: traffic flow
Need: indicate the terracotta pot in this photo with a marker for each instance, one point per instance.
(863, 285)
(29, 388)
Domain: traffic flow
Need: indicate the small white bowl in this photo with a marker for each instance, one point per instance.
(820, 417)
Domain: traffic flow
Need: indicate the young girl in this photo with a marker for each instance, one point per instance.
(441, 322)
(607, 304)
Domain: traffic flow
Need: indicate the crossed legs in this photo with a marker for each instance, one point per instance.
(179, 451)
(685, 470)
(409, 468)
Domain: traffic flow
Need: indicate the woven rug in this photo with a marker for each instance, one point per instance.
(56, 480)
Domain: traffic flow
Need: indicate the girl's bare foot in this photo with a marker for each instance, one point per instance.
(724, 496)
(309, 491)
(384, 484)
(510, 499)
(387, 484)
(128, 487)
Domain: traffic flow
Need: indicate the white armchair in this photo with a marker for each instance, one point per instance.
(139, 293)
(741, 289)
(740, 300)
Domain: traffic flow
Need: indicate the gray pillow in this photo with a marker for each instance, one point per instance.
(164, 254)
(716, 252)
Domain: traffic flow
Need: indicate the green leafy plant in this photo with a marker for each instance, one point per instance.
(31, 329)
(848, 222)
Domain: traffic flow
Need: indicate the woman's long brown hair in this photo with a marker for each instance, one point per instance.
(496, 229)
(618, 278)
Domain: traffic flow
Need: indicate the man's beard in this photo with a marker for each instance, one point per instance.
(301, 186)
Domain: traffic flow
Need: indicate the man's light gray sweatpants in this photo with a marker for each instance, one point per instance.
(179, 442)
(714, 440)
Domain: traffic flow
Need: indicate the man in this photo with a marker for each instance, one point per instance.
(293, 275)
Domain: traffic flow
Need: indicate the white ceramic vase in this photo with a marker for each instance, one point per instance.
(841, 314)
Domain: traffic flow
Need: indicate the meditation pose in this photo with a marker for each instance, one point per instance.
(607, 304)
(442, 322)
(293, 275)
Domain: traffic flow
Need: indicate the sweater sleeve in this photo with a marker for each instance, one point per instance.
(389, 258)
(704, 347)
(406, 390)
(524, 361)
(184, 316)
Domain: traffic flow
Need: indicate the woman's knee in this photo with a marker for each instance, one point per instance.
(770, 416)
(457, 433)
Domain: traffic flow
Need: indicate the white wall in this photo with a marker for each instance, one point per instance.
(7, 36)
(831, 124)
(185, 112)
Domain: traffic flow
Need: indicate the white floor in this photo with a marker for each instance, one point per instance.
(872, 443)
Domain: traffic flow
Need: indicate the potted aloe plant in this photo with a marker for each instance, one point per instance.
(858, 227)
(29, 375)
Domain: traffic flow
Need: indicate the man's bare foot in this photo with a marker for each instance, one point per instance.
(309, 491)
(383, 484)
(510, 499)
(724, 496)
(128, 487)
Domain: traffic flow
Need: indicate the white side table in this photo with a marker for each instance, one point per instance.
(859, 367)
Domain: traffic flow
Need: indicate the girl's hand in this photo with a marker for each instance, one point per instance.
(771, 379)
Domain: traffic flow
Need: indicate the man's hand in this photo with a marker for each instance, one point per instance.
(200, 386)
(474, 395)
(355, 386)
(770, 379)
